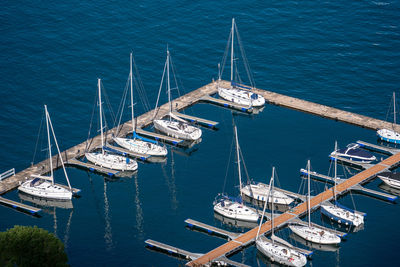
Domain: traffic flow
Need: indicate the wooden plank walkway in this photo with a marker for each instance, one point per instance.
(181, 103)
(17, 205)
(202, 121)
(295, 212)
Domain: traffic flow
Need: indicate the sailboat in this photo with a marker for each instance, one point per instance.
(273, 250)
(313, 233)
(233, 207)
(390, 135)
(338, 212)
(105, 159)
(137, 143)
(44, 186)
(234, 93)
(178, 127)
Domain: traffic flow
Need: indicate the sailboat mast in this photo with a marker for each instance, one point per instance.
(308, 196)
(168, 84)
(265, 206)
(131, 78)
(272, 203)
(233, 34)
(238, 162)
(394, 107)
(59, 153)
(334, 178)
(48, 140)
(101, 117)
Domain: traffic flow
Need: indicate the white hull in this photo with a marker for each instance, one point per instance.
(235, 210)
(390, 182)
(142, 147)
(315, 234)
(260, 191)
(111, 161)
(389, 136)
(242, 97)
(45, 189)
(280, 254)
(176, 129)
(342, 215)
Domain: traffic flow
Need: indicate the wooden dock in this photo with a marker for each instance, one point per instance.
(191, 98)
(296, 212)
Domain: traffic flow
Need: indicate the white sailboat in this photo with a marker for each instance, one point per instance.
(277, 252)
(137, 143)
(310, 232)
(43, 186)
(233, 207)
(340, 213)
(234, 93)
(390, 135)
(178, 127)
(104, 159)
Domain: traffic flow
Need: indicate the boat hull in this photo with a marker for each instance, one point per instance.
(45, 189)
(234, 210)
(389, 181)
(142, 147)
(242, 97)
(113, 162)
(180, 130)
(260, 192)
(342, 216)
(389, 136)
(315, 234)
(281, 254)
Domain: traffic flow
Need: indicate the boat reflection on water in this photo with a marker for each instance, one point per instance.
(312, 245)
(232, 224)
(389, 189)
(45, 202)
(157, 159)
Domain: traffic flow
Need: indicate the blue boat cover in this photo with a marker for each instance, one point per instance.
(135, 135)
(241, 86)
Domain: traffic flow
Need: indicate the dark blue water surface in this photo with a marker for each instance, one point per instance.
(344, 54)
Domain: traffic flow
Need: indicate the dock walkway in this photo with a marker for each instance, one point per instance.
(181, 103)
(296, 212)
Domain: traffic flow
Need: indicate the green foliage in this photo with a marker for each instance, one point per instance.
(31, 246)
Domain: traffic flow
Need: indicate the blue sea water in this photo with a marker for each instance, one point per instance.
(344, 54)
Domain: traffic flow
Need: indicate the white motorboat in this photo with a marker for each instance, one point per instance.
(233, 207)
(355, 153)
(44, 186)
(260, 191)
(277, 252)
(178, 127)
(313, 233)
(105, 159)
(137, 143)
(390, 135)
(237, 93)
(390, 178)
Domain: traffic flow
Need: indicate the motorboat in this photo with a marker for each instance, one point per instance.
(355, 153)
(390, 178)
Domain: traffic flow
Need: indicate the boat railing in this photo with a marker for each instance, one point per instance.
(6, 174)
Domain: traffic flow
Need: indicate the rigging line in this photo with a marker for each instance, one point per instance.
(228, 165)
(120, 111)
(111, 112)
(139, 85)
(245, 61)
(224, 57)
(156, 109)
(90, 125)
(37, 139)
(244, 165)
